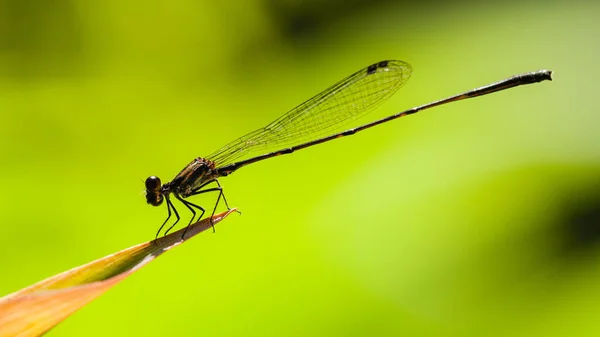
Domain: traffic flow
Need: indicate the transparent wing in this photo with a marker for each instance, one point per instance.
(342, 103)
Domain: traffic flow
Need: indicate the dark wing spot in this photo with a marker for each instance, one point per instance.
(371, 70)
(383, 64)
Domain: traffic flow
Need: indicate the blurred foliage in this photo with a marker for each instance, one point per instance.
(480, 217)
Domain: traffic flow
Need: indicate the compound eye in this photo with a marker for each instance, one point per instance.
(153, 183)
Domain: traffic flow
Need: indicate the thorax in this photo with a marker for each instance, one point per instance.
(196, 173)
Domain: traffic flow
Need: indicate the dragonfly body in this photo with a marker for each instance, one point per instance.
(194, 175)
(310, 123)
(192, 180)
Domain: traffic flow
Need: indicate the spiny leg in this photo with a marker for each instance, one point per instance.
(224, 199)
(176, 214)
(214, 189)
(168, 217)
(169, 206)
(189, 205)
(206, 183)
(198, 191)
(186, 205)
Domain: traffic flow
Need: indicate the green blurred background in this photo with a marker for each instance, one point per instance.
(476, 218)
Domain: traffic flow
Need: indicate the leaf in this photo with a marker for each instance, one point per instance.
(34, 310)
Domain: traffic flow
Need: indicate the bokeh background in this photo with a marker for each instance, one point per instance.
(475, 218)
